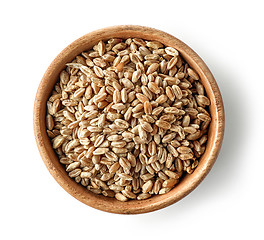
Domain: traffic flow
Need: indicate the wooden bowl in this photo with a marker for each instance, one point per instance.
(189, 182)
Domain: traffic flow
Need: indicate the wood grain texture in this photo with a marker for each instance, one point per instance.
(189, 182)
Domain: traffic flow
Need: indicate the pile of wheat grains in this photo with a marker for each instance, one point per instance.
(128, 118)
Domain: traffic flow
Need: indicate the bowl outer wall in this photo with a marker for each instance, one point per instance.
(188, 183)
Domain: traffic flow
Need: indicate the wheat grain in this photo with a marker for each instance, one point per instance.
(127, 118)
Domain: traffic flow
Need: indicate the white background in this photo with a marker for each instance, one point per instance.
(228, 204)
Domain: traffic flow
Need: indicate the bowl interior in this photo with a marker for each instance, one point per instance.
(189, 182)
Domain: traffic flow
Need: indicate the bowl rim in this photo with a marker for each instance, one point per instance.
(110, 205)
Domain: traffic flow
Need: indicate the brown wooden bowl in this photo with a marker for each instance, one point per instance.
(189, 182)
